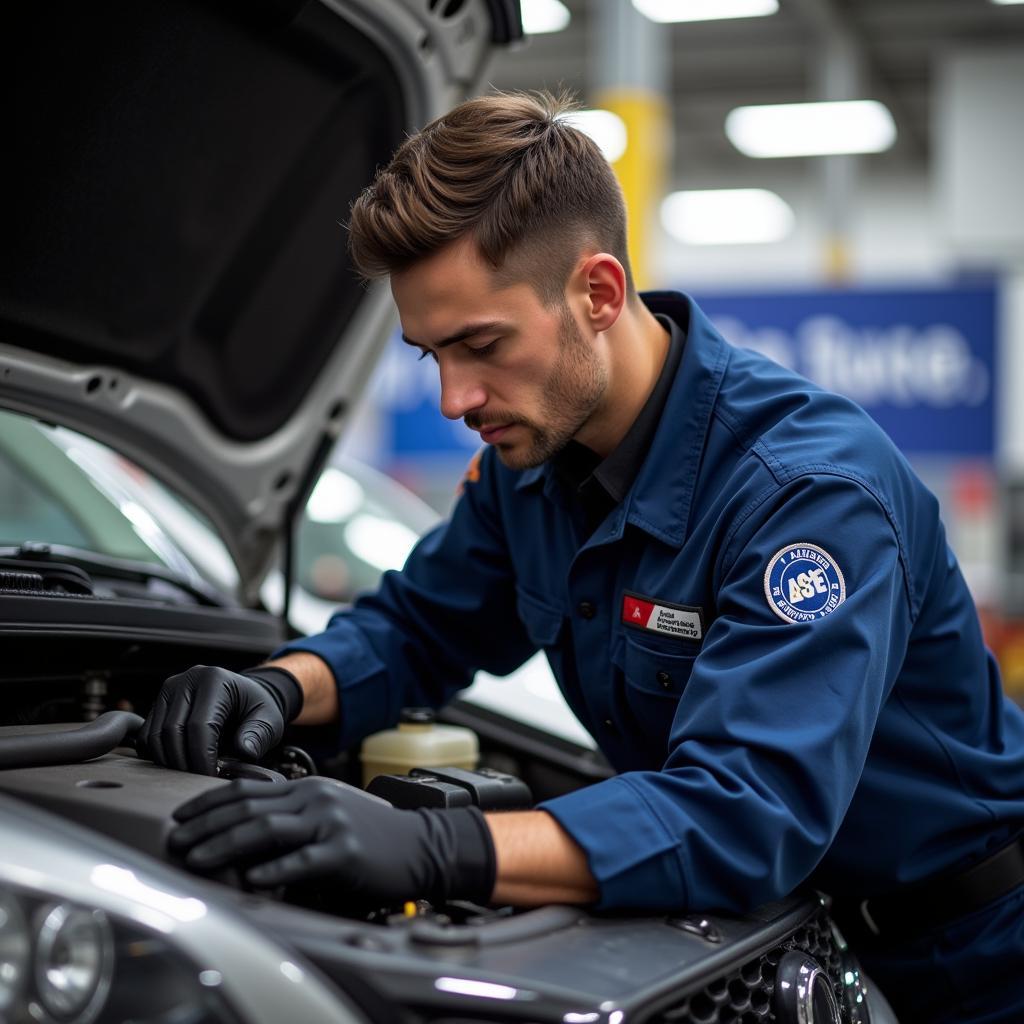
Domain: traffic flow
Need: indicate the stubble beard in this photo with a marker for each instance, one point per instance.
(577, 383)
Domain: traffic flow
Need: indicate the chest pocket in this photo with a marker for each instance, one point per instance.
(654, 674)
(542, 621)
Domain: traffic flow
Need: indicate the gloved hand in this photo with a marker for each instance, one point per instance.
(320, 830)
(193, 710)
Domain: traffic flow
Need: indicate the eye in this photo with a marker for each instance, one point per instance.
(485, 351)
(427, 352)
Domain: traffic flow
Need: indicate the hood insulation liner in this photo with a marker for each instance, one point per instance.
(182, 176)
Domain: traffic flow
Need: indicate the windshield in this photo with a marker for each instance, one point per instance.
(58, 487)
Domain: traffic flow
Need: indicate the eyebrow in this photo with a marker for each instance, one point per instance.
(469, 331)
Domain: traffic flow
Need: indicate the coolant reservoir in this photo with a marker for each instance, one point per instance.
(418, 742)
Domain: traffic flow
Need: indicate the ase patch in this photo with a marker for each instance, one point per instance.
(803, 583)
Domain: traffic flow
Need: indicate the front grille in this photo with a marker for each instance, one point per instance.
(744, 995)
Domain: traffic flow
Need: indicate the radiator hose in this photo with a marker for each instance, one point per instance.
(94, 739)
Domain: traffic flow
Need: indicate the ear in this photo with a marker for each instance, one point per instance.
(604, 282)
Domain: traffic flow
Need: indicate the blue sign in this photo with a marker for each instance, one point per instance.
(407, 391)
(921, 362)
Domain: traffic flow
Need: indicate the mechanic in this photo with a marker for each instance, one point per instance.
(744, 591)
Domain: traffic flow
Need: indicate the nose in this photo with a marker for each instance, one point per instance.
(461, 390)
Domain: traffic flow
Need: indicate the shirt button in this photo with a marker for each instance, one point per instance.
(665, 679)
(586, 609)
(608, 723)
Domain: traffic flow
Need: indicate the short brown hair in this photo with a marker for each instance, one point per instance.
(507, 169)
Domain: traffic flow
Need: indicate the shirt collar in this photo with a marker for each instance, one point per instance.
(618, 471)
(661, 496)
(601, 484)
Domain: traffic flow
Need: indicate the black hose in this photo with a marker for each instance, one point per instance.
(94, 739)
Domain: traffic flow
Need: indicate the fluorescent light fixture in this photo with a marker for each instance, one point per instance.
(540, 16)
(704, 10)
(811, 129)
(1006, 3)
(608, 130)
(726, 216)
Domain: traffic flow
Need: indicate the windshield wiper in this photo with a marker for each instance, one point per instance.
(52, 556)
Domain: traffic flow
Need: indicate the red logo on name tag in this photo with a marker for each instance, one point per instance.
(636, 612)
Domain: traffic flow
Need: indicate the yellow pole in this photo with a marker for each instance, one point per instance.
(838, 266)
(642, 170)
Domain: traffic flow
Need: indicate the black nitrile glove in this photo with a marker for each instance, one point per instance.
(185, 728)
(319, 830)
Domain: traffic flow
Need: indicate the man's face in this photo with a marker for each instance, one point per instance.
(521, 373)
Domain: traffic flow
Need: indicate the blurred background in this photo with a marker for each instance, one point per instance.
(838, 184)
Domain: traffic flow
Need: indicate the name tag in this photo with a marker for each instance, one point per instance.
(650, 613)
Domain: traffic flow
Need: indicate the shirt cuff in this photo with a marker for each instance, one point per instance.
(632, 856)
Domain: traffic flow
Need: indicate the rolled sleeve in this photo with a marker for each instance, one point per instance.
(646, 873)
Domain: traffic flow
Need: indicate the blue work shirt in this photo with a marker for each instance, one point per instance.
(769, 638)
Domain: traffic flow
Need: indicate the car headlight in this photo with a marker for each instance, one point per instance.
(93, 932)
(15, 953)
(62, 961)
(74, 961)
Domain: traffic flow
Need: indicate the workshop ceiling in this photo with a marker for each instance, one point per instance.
(718, 65)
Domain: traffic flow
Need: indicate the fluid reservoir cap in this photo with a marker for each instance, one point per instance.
(417, 716)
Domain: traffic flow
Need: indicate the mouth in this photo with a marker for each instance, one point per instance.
(491, 435)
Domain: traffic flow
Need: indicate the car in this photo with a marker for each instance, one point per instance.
(357, 523)
(177, 306)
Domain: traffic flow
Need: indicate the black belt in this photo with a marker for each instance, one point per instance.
(937, 901)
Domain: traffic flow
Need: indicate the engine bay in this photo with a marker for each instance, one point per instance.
(131, 800)
(447, 962)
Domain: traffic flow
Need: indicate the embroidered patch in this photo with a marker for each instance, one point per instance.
(661, 617)
(804, 583)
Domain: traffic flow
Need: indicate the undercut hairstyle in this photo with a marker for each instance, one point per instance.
(507, 170)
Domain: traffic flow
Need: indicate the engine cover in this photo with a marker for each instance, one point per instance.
(118, 795)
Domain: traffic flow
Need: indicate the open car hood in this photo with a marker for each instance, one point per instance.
(175, 278)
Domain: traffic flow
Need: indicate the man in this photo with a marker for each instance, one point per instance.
(743, 590)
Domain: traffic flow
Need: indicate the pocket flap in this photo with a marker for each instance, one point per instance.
(543, 621)
(656, 670)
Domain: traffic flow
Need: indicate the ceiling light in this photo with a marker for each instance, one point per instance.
(811, 129)
(608, 130)
(1006, 3)
(726, 216)
(541, 16)
(704, 10)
